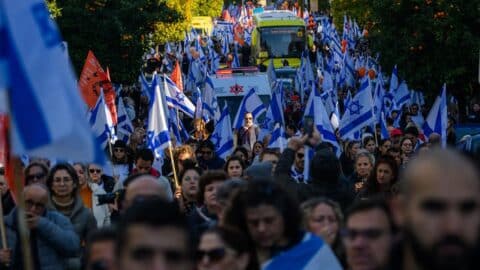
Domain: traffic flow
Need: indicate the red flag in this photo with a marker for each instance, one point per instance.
(92, 79)
(176, 76)
(6, 157)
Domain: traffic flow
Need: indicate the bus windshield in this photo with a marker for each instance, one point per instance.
(282, 42)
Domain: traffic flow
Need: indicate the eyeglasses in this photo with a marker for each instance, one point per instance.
(30, 203)
(38, 176)
(248, 118)
(95, 170)
(370, 234)
(214, 255)
(300, 155)
(120, 150)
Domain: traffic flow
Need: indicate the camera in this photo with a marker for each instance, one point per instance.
(110, 198)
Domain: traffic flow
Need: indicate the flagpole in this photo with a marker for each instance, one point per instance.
(2, 226)
(22, 223)
(175, 178)
(111, 154)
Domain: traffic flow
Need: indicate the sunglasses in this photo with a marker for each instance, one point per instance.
(300, 155)
(37, 176)
(214, 255)
(370, 234)
(95, 170)
(120, 150)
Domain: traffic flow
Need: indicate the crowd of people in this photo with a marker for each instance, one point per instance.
(397, 204)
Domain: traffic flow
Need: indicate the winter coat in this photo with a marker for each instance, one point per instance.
(55, 239)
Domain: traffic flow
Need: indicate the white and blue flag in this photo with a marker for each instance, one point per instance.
(158, 137)
(402, 95)
(278, 138)
(437, 120)
(394, 80)
(222, 136)
(252, 103)
(101, 122)
(48, 116)
(124, 123)
(176, 98)
(323, 124)
(310, 254)
(359, 112)
(210, 103)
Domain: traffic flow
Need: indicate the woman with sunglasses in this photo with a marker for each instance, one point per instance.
(63, 184)
(225, 248)
(89, 192)
(121, 160)
(96, 175)
(36, 172)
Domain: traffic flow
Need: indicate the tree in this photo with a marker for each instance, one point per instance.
(432, 42)
(359, 10)
(118, 32)
(168, 30)
(211, 8)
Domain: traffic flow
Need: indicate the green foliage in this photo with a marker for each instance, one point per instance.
(359, 10)
(55, 11)
(432, 42)
(212, 8)
(118, 32)
(171, 30)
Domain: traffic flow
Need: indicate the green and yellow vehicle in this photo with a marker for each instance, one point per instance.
(280, 35)
(203, 25)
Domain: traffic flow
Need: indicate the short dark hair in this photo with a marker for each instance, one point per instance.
(269, 151)
(411, 130)
(189, 165)
(232, 158)
(145, 154)
(241, 149)
(70, 170)
(265, 191)
(208, 144)
(154, 212)
(370, 204)
(208, 178)
(131, 178)
(42, 166)
(98, 235)
(237, 241)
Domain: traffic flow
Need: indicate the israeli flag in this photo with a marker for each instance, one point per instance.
(274, 115)
(175, 98)
(323, 124)
(252, 103)
(437, 120)
(384, 134)
(278, 138)
(124, 124)
(147, 87)
(394, 80)
(101, 122)
(359, 112)
(210, 104)
(158, 137)
(236, 61)
(378, 95)
(222, 136)
(177, 128)
(402, 95)
(311, 253)
(47, 112)
(272, 77)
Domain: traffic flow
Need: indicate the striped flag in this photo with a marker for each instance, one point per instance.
(124, 123)
(222, 136)
(48, 118)
(101, 122)
(158, 137)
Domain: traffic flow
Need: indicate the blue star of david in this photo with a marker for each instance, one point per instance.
(180, 97)
(216, 139)
(266, 122)
(355, 107)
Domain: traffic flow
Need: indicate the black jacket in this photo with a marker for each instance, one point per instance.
(326, 181)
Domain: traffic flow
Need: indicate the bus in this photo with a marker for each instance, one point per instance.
(278, 34)
(203, 25)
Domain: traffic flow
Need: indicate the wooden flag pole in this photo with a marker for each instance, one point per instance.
(3, 233)
(175, 178)
(22, 222)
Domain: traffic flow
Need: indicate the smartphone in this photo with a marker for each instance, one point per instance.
(308, 125)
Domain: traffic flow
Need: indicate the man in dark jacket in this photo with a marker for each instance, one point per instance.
(325, 175)
(52, 237)
(208, 160)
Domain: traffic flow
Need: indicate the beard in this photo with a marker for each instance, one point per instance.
(431, 257)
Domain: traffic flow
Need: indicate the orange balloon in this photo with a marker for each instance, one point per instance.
(371, 74)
